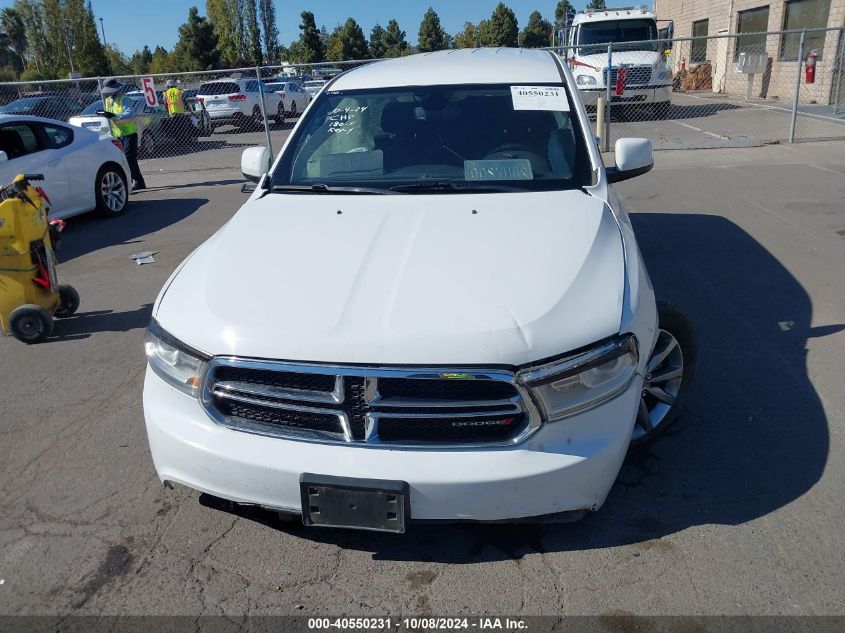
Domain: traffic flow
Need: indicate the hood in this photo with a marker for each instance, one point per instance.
(405, 279)
(628, 58)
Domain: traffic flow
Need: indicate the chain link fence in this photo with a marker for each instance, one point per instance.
(217, 113)
(718, 91)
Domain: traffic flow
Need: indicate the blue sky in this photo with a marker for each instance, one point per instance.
(131, 24)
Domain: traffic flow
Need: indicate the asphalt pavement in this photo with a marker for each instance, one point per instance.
(738, 510)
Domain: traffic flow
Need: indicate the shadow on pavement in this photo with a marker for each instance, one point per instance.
(175, 149)
(753, 438)
(84, 324)
(89, 232)
(635, 113)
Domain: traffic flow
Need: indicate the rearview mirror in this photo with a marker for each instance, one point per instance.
(634, 157)
(255, 162)
(3, 156)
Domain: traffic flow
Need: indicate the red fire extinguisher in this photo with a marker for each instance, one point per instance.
(810, 67)
(620, 82)
(683, 64)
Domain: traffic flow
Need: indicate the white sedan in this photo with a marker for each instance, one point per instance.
(81, 171)
(294, 98)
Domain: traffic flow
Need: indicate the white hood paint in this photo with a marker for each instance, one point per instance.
(405, 279)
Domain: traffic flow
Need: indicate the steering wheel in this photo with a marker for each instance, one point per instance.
(511, 147)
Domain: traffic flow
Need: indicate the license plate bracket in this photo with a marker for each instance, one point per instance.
(365, 504)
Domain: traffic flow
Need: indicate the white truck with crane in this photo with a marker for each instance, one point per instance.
(638, 73)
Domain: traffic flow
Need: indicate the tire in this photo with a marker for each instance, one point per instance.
(30, 324)
(110, 191)
(147, 146)
(280, 114)
(669, 371)
(660, 110)
(257, 121)
(293, 113)
(69, 301)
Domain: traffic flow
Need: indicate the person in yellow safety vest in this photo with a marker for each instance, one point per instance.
(174, 98)
(124, 128)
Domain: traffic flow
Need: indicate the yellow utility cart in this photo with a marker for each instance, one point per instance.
(30, 294)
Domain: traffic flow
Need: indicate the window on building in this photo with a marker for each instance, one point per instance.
(751, 25)
(803, 14)
(699, 47)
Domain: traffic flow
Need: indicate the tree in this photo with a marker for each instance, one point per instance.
(469, 37)
(253, 33)
(160, 62)
(11, 23)
(537, 32)
(89, 56)
(33, 22)
(197, 45)
(377, 47)
(395, 44)
(313, 50)
(347, 42)
(597, 5)
(504, 30)
(140, 61)
(432, 36)
(118, 64)
(267, 13)
(334, 47)
(56, 63)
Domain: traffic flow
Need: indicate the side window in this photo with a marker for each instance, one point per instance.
(18, 139)
(252, 86)
(57, 136)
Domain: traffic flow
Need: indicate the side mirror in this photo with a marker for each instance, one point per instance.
(3, 156)
(255, 162)
(634, 157)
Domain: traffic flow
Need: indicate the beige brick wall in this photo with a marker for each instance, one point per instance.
(723, 14)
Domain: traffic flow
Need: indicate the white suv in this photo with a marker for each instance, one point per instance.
(453, 321)
(237, 101)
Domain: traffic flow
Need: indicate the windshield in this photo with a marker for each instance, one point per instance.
(616, 31)
(460, 137)
(219, 88)
(95, 107)
(22, 105)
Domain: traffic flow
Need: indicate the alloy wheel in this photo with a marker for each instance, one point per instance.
(662, 384)
(113, 191)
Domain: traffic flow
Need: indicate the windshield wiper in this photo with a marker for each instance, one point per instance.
(452, 187)
(328, 189)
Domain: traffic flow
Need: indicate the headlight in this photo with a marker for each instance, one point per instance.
(586, 380)
(174, 362)
(585, 80)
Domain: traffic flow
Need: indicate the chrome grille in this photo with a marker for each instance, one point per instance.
(368, 406)
(634, 75)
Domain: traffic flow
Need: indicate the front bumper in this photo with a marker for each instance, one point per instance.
(566, 466)
(650, 94)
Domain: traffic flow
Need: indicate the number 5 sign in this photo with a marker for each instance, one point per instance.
(150, 91)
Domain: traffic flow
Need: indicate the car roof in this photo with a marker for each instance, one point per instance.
(8, 118)
(630, 13)
(455, 66)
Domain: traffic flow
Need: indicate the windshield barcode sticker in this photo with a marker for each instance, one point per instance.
(540, 98)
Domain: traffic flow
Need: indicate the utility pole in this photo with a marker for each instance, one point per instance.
(105, 45)
(69, 47)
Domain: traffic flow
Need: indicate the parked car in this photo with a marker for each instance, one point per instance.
(155, 129)
(459, 324)
(47, 106)
(294, 98)
(81, 171)
(237, 101)
(313, 87)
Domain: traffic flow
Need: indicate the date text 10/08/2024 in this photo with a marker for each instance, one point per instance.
(417, 624)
